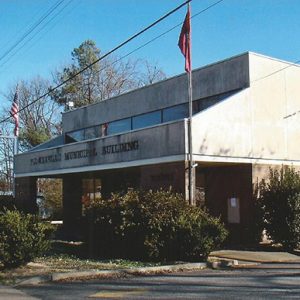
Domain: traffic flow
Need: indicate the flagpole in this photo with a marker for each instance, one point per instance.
(190, 140)
(190, 123)
(184, 44)
(14, 165)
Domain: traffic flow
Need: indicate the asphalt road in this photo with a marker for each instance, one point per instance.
(272, 281)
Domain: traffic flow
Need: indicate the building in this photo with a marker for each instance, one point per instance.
(246, 119)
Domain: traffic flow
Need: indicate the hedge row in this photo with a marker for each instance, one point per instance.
(153, 226)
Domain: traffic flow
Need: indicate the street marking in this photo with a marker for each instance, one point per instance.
(118, 294)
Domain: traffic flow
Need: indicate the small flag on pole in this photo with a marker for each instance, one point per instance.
(184, 41)
(14, 111)
(104, 128)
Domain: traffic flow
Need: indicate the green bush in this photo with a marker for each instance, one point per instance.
(22, 238)
(280, 200)
(153, 226)
(198, 234)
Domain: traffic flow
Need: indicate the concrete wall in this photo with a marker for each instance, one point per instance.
(26, 194)
(72, 205)
(256, 125)
(259, 124)
(158, 142)
(210, 80)
(164, 176)
(275, 108)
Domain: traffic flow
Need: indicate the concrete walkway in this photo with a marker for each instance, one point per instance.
(256, 256)
(222, 258)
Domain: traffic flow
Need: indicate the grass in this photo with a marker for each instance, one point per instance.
(67, 262)
(65, 257)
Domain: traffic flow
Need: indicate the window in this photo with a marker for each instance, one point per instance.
(177, 112)
(119, 126)
(92, 132)
(145, 120)
(75, 136)
(205, 103)
(208, 102)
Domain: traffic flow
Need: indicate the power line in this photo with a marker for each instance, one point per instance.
(140, 47)
(159, 36)
(35, 34)
(32, 28)
(102, 57)
(121, 45)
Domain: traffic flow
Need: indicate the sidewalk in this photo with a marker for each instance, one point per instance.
(256, 256)
(217, 259)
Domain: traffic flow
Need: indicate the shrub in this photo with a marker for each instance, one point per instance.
(22, 238)
(280, 199)
(153, 226)
(253, 231)
(198, 234)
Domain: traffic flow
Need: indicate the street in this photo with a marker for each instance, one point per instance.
(267, 281)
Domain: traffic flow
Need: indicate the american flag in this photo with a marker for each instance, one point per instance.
(14, 111)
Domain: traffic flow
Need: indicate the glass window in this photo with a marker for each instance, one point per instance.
(145, 120)
(75, 136)
(206, 103)
(92, 132)
(119, 126)
(176, 112)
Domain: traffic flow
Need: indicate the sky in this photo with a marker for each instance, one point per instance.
(269, 27)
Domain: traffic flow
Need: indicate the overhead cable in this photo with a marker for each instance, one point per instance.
(102, 57)
(32, 28)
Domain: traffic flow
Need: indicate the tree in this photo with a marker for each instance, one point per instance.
(6, 159)
(39, 121)
(51, 190)
(82, 89)
(104, 79)
(280, 200)
(150, 73)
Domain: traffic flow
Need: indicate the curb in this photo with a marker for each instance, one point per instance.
(85, 274)
(129, 271)
(34, 280)
(166, 269)
(231, 263)
(80, 275)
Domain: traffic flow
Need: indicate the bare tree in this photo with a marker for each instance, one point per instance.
(39, 117)
(104, 79)
(150, 73)
(6, 158)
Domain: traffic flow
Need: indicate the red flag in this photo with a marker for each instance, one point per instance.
(14, 111)
(104, 128)
(184, 41)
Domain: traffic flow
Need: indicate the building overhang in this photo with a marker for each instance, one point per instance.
(157, 144)
(102, 167)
